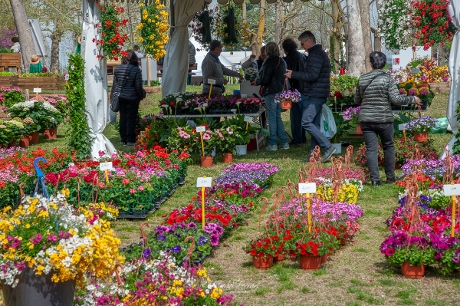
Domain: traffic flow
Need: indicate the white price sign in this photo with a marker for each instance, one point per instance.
(200, 129)
(307, 188)
(67, 77)
(244, 96)
(402, 127)
(248, 119)
(204, 182)
(212, 81)
(39, 90)
(450, 190)
(105, 166)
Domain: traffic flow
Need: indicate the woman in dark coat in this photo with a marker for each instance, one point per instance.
(127, 80)
(295, 61)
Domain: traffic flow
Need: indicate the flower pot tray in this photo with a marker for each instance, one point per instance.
(9, 81)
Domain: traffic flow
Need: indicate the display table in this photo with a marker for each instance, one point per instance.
(257, 119)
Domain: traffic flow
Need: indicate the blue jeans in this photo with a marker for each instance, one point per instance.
(275, 124)
(371, 133)
(298, 133)
(312, 108)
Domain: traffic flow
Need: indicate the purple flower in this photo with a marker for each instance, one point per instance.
(161, 238)
(176, 249)
(214, 240)
(146, 253)
(202, 240)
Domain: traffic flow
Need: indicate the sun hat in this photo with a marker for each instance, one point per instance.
(35, 58)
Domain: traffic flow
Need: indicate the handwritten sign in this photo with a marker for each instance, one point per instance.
(248, 119)
(37, 90)
(307, 188)
(105, 166)
(200, 129)
(450, 190)
(212, 81)
(402, 127)
(204, 182)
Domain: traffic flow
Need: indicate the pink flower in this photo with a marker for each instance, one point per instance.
(206, 136)
(125, 181)
(132, 190)
(141, 188)
(101, 153)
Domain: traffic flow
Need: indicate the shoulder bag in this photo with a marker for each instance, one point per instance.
(115, 99)
(262, 87)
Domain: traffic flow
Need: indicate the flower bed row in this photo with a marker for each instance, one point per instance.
(311, 228)
(158, 270)
(421, 232)
(137, 184)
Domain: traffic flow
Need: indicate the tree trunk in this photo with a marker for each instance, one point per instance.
(356, 57)
(55, 40)
(24, 32)
(365, 26)
(375, 31)
(278, 21)
(260, 31)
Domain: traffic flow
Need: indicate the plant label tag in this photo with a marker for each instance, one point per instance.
(450, 190)
(67, 77)
(233, 110)
(307, 188)
(200, 129)
(204, 182)
(211, 81)
(244, 96)
(39, 90)
(402, 127)
(105, 166)
(248, 119)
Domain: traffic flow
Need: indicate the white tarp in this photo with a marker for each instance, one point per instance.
(454, 69)
(175, 67)
(97, 106)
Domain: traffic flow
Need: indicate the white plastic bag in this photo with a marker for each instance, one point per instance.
(328, 127)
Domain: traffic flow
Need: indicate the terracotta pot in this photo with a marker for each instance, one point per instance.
(279, 257)
(286, 104)
(323, 259)
(262, 262)
(421, 137)
(310, 262)
(24, 142)
(53, 132)
(412, 271)
(33, 138)
(12, 144)
(50, 133)
(206, 161)
(227, 157)
(358, 130)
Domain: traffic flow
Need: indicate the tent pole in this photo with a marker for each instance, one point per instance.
(172, 21)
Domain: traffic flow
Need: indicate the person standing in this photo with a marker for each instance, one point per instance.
(191, 61)
(16, 47)
(375, 92)
(295, 61)
(262, 57)
(35, 64)
(316, 88)
(127, 80)
(212, 68)
(271, 76)
(139, 55)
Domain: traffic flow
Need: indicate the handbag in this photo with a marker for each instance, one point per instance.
(262, 87)
(115, 98)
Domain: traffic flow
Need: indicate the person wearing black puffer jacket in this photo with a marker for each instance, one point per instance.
(316, 88)
(271, 76)
(127, 80)
(375, 92)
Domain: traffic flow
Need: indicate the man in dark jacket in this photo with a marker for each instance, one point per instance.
(316, 88)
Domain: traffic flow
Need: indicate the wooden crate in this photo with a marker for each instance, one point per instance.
(10, 60)
(9, 81)
(48, 83)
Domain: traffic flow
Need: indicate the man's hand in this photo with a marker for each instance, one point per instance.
(417, 100)
(288, 74)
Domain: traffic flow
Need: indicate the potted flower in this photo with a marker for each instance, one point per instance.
(262, 251)
(414, 88)
(287, 97)
(420, 127)
(411, 251)
(52, 245)
(205, 143)
(225, 140)
(351, 115)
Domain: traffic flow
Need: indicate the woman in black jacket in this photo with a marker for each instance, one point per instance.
(271, 76)
(295, 61)
(127, 80)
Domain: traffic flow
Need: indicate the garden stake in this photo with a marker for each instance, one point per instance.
(404, 133)
(106, 175)
(117, 274)
(144, 236)
(188, 256)
(203, 222)
(454, 206)
(202, 143)
(210, 90)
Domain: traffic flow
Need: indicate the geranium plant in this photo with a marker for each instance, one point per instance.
(153, 29)
(261, 247)
(112, 39)
(421, 125)
(226, 139)
(49, 236)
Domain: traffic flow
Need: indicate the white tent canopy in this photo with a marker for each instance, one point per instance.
(454, 68)
(97, 106)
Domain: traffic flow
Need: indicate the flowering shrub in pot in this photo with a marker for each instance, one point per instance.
(50, 236)
(42, 113)
(421, 125)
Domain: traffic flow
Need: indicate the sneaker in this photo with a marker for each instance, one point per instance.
(327, 155)
(272, 148)
(130, 144)
(285, 146)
